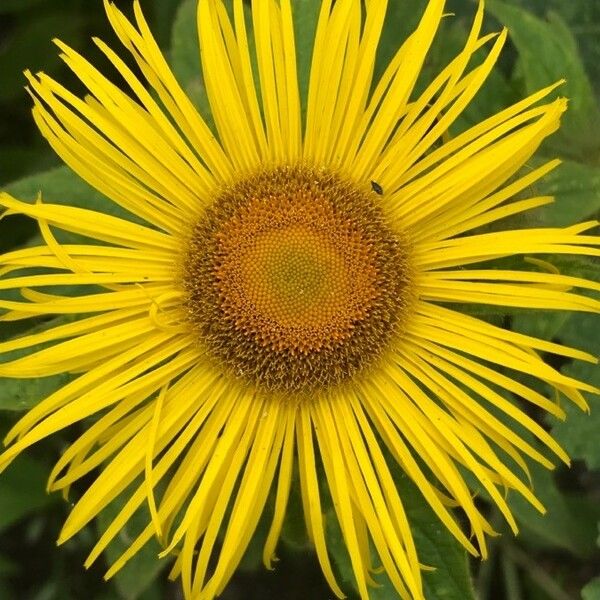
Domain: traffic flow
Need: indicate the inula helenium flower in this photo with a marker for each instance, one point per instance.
(286, 296)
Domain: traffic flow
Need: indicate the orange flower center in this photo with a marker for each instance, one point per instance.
(294, 280)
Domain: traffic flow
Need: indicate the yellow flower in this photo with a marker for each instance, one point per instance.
(293, 295)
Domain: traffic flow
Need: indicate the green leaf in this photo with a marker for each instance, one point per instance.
(185, 57)
(163, 15)
(576, 189)
(144, 567)
(566, 522)
(305, 14)
(22, 394)
(7, 567)
(540, 324)
(578, 435)
(31, 47)
(551, 324)
(583, 18)
(401, 19)
(592, 590)
(62, 186)
(548, 52)
(452, 578)
(19, 161)
(8, 6)
(23, 490)
(436, 547)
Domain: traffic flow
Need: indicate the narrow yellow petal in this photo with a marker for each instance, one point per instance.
(148, 470)
(310, 494)
(393, 104)
(153, 65)
(284, 482)
(337, 479)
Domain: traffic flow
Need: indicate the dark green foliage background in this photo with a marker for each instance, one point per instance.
(555, 557)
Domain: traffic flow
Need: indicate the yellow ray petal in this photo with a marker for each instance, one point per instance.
(129, 462)
(493, 350)
(337, 479)
(357, 75)
(340, 44)
(122, 422)
(378, 514)
(203, 428)
(71, 329)
(58, 410)
(437, 424)
(393, 104)
(472, 134)
(224, 95)
(453, 396)
(414, 136)
(94, 224)
(486, 246)
(459, 218)
(388, 430)
(380, 402)
(309, 487)
(153, 65)
(249, 502)
(426, 198)
(284, 482)
(208, 523)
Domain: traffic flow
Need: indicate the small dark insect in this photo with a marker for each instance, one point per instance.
(376, 188)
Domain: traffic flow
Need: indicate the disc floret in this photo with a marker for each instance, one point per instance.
(294, 278)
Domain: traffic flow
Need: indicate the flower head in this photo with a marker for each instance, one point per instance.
(290, 292)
